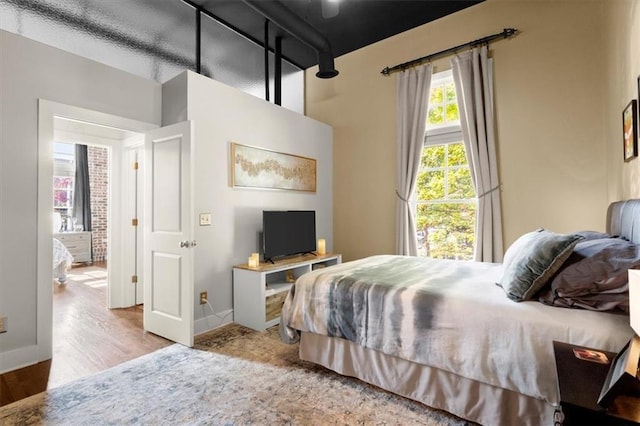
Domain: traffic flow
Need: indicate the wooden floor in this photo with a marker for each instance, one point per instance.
(87, 337)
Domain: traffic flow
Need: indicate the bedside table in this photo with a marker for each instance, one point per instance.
(78, 243)
(580, 382)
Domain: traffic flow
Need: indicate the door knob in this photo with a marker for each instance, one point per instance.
(187, 244)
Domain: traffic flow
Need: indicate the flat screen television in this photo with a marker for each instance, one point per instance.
(287, 233)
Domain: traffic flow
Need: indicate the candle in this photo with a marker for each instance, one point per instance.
(322, 246)
(254, 260)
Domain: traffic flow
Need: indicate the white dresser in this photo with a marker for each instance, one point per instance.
(78, 244)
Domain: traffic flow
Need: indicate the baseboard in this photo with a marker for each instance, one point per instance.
(19, 358)
(212, 321)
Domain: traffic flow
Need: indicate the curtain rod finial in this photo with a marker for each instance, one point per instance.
(385, 71)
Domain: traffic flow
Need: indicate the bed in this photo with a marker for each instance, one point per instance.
(443, 333)
(62, 261)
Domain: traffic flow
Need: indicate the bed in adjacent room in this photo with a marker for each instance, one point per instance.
(62, 260)
(444, 333)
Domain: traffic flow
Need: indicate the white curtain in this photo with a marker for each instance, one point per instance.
(473, 77)
(412, 105)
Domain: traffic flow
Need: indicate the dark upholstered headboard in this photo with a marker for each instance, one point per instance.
(623, 219)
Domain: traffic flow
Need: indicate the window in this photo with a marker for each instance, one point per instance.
(63, 175)
(445, 200)
(62, 190)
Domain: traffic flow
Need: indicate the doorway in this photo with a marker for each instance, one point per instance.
(52, 119)
(88, 149)
(84, 149)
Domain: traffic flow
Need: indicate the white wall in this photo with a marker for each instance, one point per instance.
(30, 71)
(221, 115)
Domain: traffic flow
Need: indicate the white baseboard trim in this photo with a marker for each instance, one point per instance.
(212, 322)
(19, 358)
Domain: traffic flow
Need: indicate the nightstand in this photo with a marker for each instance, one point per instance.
(580, 382)
(78, 243)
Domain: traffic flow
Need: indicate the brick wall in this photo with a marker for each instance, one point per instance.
(99, 186)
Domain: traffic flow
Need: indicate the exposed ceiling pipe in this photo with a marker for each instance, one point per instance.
(283, 17)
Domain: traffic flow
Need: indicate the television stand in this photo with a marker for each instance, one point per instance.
(258, 293)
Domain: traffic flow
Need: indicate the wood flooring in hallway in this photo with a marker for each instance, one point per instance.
(87, 337)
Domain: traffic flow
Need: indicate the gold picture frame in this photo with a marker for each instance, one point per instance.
(253, 167)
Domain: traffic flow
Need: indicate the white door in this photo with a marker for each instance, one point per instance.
(132, 218)
(168, 233)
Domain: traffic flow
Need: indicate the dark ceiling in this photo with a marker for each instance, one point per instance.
(357, 24)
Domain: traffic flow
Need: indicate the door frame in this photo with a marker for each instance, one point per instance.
(47, 110)
(133, 207)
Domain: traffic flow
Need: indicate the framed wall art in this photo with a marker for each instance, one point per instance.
(630, 130)
(253, 167)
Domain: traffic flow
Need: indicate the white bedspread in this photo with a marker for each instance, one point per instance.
(474, 329)
(61, 256)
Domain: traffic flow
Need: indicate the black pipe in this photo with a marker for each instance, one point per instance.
(278, 72)
(266, 60)
(227, 25)
(198, 40)
(282, 16)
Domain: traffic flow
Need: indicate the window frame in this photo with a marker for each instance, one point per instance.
(447, 133)
(444, 134)
(64, 167)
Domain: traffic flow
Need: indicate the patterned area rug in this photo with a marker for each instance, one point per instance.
(233, 376)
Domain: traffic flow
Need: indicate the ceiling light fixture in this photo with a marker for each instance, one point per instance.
(330, 8)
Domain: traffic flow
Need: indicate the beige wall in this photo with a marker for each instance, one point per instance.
(622, 68)
(549, 99)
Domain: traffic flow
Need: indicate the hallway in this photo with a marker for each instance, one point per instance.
(87, 337)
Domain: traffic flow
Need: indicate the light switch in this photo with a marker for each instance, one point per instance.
(205, 219)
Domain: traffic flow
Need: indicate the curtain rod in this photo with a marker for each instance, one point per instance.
(506, 33)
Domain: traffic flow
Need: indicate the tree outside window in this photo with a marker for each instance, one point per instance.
(445, 199)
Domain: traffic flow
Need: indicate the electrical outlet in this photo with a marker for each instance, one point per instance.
(3, 324)
(203, 297)
(205, 219)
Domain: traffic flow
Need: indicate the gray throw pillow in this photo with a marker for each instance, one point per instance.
(598, 277)
(532, 260)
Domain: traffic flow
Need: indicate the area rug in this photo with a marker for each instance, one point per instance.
(233, 376)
